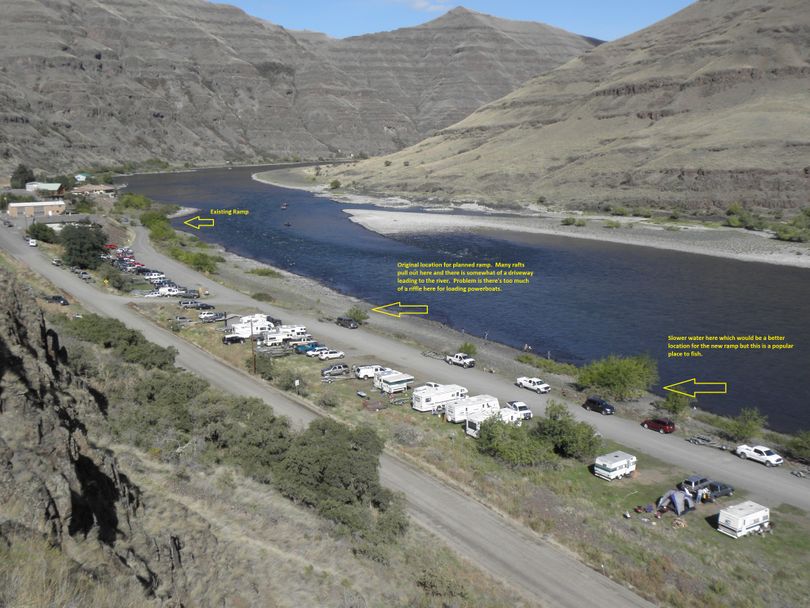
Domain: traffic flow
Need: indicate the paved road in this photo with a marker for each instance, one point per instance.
(542, 572)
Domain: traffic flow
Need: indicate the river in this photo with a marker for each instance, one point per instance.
(587, 299)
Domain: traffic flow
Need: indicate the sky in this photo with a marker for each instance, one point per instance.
(603, 19)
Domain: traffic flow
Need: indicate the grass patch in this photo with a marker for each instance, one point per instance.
(548, 365)
(265, 272)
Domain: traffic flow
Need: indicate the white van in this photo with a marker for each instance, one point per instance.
(364, 372)
(32, 242)
(430, 396)
(460, 409)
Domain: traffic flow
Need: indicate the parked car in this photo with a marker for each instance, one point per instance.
(56, 262)
(57, 300)
(533, 384)
(597, 404)
(152, 294)
(760, 453)
(182, 319)
(206, 315)
(461, 359)
(215, 316)
(662, 425)
(205, 306)
(305, 348)
(316, 351)
(694, 483)
(521, 408)
(233, 339)
(347, 323)
(187, 303)
(32, 242)
(338, 369)
(331, 354)
(718, 489)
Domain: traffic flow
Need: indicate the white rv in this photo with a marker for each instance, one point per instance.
(249, 330)
(472, 426)
(744, 518)
(257, 319)
(460, 409)
(391, 381)
(614, 465)
(428, 397)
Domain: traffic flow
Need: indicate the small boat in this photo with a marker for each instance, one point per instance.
(283, 205)
(288, 224)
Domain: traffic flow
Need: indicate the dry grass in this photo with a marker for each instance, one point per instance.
(34, 574)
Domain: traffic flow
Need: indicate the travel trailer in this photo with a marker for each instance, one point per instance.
(460, 409)
(614, 465)
(429, 397)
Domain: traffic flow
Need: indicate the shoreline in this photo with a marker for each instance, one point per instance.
(389, 219)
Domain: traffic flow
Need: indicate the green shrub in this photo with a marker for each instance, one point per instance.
(334, 184)
(548, 365)
(265, 272)
(620, 377)
(514, 445)
(739, 217)
(746, 425)
(569, 221)
(130, 200)
(21, 176)
(621, 211)
(569, 438)
(262, 296)
(612, 224)
(798, 447)
(285, 380)
(264, 366)
(42, 232)
(356, 314)
(468, 348)
(580, 223)
(676, 405)
(329, 400)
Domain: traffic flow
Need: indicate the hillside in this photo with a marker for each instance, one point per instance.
(707, 107)
(89, 519)
(188, 81)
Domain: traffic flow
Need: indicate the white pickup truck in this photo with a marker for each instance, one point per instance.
(759, 453)
(533, 384)
(461, 359)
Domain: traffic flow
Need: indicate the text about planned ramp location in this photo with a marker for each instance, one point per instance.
(461, 277)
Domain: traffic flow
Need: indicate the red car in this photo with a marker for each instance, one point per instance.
(662, 425)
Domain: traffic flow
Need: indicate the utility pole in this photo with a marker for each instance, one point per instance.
(253, 347)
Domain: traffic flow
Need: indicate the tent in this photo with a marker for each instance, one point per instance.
(677, 500)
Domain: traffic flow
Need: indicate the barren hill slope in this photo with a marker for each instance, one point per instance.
(103, 81)
(707, 107)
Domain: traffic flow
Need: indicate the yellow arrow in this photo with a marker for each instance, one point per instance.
(414, 309)
(683, 388)
(198, 222)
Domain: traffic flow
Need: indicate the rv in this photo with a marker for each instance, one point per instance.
(249, 330)
(460, 409)
(257, 319)
(744, 518)
(391, 381)
(430, 396)
(472, 426)
(291, 332)
(614, 465)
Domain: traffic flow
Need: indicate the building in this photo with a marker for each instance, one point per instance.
(81, 177)
(94, 189)
(46, 190)
(36, 209)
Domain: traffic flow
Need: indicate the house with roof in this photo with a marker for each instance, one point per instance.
(36, 209)
(45, 189)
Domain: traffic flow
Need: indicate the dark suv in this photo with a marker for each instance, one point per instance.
(347, 322)
(338, 369)
(57, 300)
(597, 404)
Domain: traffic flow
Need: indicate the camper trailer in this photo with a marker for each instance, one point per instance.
(460, 409)
(249, 330)
(430, 396)
(744, 518)
(614, 465)
(392, 381)
(472, 426)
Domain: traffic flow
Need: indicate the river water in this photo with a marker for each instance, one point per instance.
(587, 299)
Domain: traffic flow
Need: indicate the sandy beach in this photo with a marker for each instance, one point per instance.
(389, 219)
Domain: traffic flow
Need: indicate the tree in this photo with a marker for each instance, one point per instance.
(21, 176)
(569, 438)
(42, 232)
(620, 377)
(334, 184)
(357, 314)
(748, 423)
(799, 446)
(83, 245)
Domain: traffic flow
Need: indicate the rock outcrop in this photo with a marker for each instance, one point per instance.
(188, 81)
(56, 484)
(708, 107)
